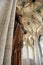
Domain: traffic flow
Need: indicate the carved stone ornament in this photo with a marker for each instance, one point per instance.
(32, 17)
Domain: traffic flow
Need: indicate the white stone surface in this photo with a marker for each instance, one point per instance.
(7, 16)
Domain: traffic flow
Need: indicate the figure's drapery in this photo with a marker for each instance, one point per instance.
(17, 46)
(7, 16)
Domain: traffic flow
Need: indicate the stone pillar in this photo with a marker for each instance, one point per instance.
(8, 49)
(4, 24)
(28, 61)
(37, 52)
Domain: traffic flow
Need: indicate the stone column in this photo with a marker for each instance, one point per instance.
(28, 61)
(37, 52)
(8, 49)
(4, 24)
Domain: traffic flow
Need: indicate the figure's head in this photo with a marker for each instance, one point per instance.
(19, 19)
(33, 0)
